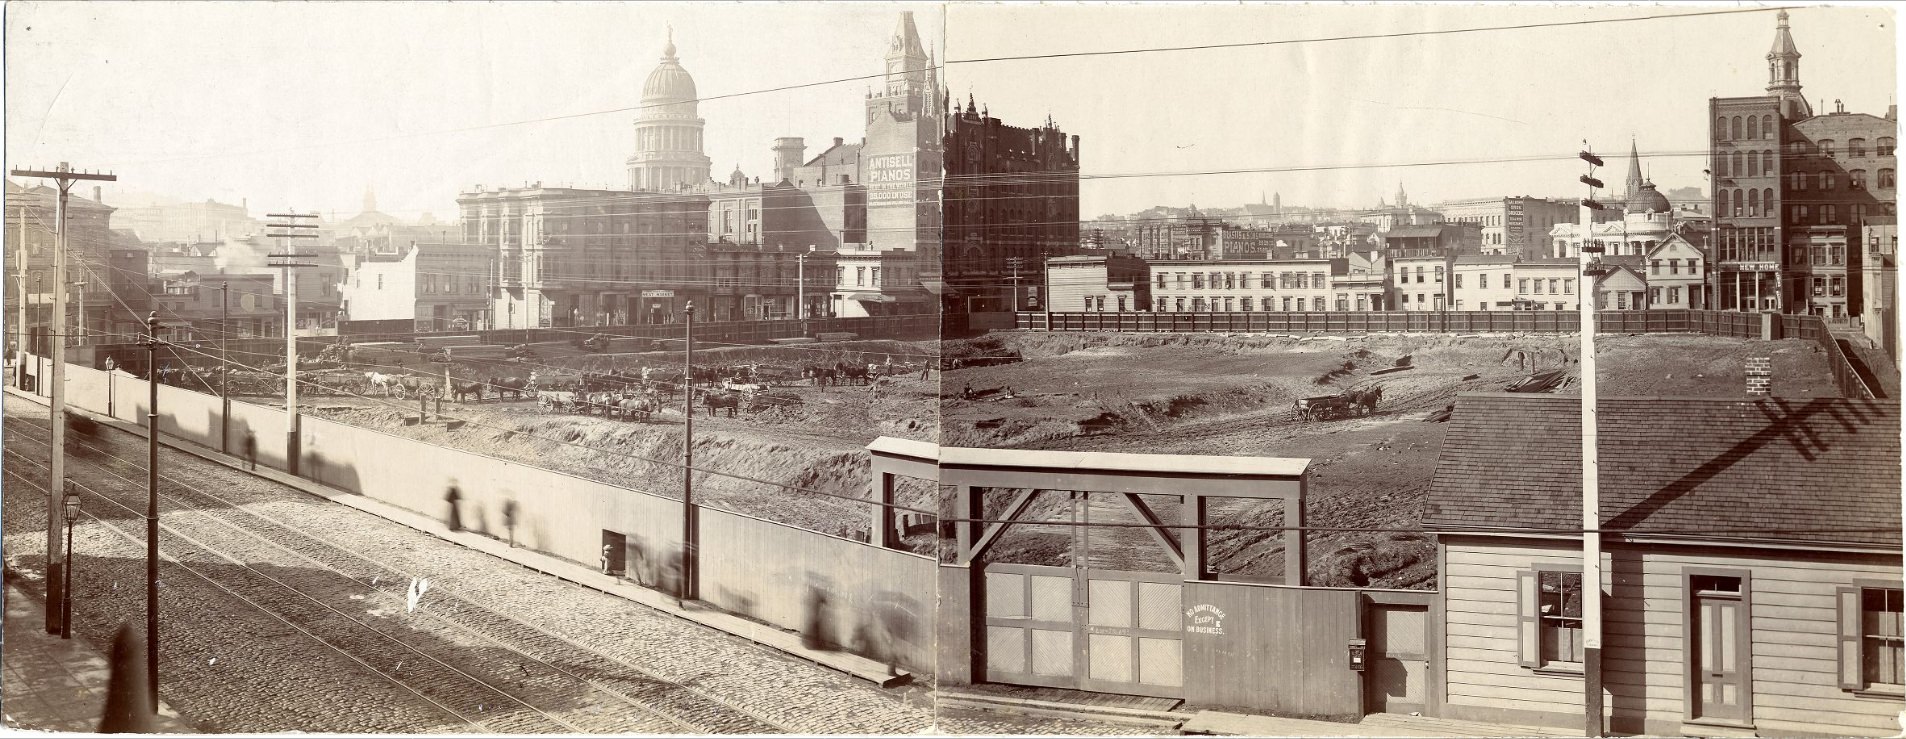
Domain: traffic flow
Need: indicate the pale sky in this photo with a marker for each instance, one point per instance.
(305, 105)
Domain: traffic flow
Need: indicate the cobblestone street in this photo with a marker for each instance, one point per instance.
(274, 626)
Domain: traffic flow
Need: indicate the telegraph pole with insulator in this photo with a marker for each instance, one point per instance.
(65, 176)
(1591, 593)
(287, 227)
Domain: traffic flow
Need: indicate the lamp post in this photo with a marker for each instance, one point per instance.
(685, 589)
(66, 600)
(152, 507)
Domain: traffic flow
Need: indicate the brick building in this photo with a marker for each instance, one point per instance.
(1512, 225)
(1792, 190)
(1010, 192)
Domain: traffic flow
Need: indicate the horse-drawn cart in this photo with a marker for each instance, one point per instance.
(1355, 401)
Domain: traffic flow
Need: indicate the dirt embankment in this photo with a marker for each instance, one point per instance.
(800, 438)
(1233, 395)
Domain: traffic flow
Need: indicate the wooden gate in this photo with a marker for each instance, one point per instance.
(1099, 630)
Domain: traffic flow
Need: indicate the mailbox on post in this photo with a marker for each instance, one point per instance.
(1358, 660)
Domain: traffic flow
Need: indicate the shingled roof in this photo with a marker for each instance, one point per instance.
(1765, 470)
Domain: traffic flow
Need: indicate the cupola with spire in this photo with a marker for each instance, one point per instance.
(1783, 73)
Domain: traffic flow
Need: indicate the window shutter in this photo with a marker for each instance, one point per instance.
(1849, 651)
(1528, 622)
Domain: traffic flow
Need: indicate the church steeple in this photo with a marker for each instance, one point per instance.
(1633, 186)
(1783, 72)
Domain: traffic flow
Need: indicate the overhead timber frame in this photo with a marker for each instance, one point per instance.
(1192, 479)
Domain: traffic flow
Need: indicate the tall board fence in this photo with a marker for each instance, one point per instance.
(1671, 321)
(873, 601)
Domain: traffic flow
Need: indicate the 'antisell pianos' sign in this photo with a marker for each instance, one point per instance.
(890, 179)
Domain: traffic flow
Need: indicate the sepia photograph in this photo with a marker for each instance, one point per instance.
(951, 368)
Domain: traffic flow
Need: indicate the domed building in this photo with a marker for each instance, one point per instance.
(1647, 219)
(668, 131)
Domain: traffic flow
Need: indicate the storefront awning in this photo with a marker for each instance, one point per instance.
(938, 287)
(868, 297)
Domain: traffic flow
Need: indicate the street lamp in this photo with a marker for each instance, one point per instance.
(66, 595)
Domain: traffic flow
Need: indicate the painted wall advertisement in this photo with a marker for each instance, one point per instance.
(1512, 225)
(890, 179)
(1204, 618)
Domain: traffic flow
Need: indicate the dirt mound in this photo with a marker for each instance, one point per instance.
(1232, 395)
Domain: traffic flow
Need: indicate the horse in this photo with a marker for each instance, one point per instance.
(852, 372)
(715, 401)
(461, 388)
(1366, 399)
(822, 376)
(384, 381)
(513, 385)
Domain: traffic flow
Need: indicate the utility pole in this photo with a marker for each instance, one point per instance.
(686, 588)
(290, 226)
(1591, 462)
(1013, 264)
(65, 176)
(800, 289)
(20, 373)
(224, 367)
(152, 506)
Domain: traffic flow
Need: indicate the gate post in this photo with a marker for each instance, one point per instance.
(958, 619)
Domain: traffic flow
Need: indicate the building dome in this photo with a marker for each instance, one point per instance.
(1648, 200)
(669, 83)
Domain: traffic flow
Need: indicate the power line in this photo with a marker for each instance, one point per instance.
(941, 69)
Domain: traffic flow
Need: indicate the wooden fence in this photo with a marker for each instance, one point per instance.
(1674, 321)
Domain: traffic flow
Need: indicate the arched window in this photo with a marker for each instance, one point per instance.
(1826, 181)
(1767, 202)
(1767, 126)
(1720, 207)
(1767, 163)
(1856, 147)
(1720, 128)
(1753, 205)
(1856, 179)
(1753, 127)
(1886, 179)
(1885, 146)
(1740, 163)
(1720, 166)
(1753, 163)
(1737, 127)
(1739, 207)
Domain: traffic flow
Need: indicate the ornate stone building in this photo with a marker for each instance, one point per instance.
(668, 130)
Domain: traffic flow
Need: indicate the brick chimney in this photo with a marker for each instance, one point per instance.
(1760, 375)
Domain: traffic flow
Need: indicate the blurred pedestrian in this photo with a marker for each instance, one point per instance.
(607, 550)
(251, 450)
(455, 522)
(509, 520)
(925, 367)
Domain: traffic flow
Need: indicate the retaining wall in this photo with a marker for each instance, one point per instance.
(872, 601)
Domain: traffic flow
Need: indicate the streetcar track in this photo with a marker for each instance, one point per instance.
(254, 604)
(181, 559)
(560, 643)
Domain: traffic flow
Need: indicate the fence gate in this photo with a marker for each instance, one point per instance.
(1099, 630)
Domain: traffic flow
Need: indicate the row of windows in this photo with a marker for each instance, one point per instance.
(1758, 127)
(1242, 280)
(1856, 179)
(1834, 286)
(1854, 148)
(1674, 266)
(1871, 633)
(1567, 285)
(1245, 304)
(1673, 294)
